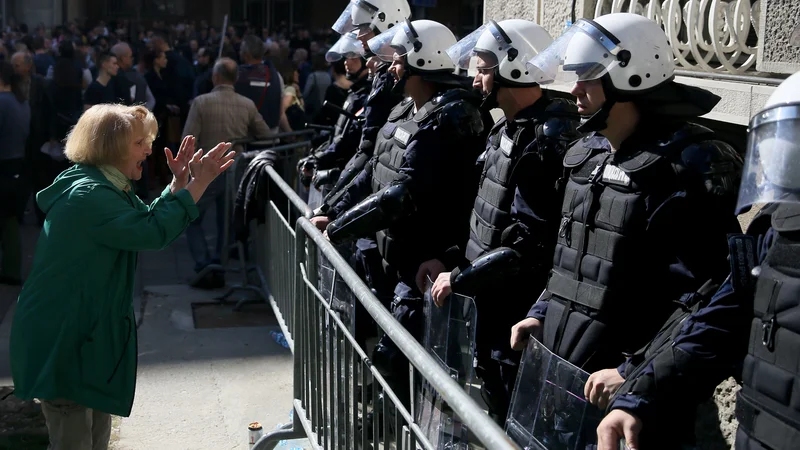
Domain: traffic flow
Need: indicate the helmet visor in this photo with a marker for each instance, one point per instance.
(399, 40)
(489, 40)
(772, 169)
(348, 46)
(584, 52)
(357, 14)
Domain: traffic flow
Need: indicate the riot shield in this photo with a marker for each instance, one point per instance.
(548, 409)
(333, 288)
(315, 197)
(450, 339)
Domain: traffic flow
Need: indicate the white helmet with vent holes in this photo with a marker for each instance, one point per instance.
(632, 50)
(506, 46)
(424, 43)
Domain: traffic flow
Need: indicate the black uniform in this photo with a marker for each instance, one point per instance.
(768, 406)
(330, 159)
(421, 180)
(513, 226)
(697, 350)
(367, 261)
(641, 228)
(377, 107)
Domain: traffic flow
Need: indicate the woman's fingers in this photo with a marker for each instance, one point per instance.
(197, 155)
(187, 148)
(225, 166)
(219, 150)
(227, 157)
(168, 152)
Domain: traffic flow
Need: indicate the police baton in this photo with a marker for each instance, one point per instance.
(313, 126)
(339, 110)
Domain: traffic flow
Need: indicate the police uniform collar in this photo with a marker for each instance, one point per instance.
(654, 141)
(533, 110)
(587, 146)
(443, 98)
(360, 85)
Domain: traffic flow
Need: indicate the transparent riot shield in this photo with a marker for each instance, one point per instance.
(450, 339)
(315, 197)
(333, 288)
(548, 409)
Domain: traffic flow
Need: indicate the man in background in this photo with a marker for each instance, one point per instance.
(37, 164)
(101, 90)
(219, 116)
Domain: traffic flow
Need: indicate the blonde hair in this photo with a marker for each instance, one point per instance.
(104, 133)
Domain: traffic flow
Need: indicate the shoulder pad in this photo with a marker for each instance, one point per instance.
(668, 147)
(562, 105)
(762, 221)
(401, 109)
(462, 117)
(584, 149)
(498, 125)
(717, 162)
(445, 98)
(786, 217)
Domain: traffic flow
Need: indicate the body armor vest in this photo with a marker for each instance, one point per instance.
(492, 211)
(768, 406)
(604, 268)
(392, 142)
(353, 104)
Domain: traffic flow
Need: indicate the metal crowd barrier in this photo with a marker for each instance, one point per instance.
(248, 149)
(332, 372)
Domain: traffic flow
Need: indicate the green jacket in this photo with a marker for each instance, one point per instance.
(74, 334)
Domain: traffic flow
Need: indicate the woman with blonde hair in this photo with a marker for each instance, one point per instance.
(73, 337)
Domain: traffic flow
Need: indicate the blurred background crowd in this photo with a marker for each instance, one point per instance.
(50, 75)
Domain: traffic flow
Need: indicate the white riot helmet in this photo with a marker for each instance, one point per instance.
(376, 15)
(507, 47)
(632, 50)
(772, 170)
(348, 46)
(424, 43)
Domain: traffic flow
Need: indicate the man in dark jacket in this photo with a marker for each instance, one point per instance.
(37, 163)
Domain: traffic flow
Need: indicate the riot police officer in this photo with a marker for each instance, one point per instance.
(648, 196)
(516, 212)
(752, 317)
(419, 180)
(328, 161)
(367, 19)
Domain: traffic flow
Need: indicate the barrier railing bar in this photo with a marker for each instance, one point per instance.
(485, 429)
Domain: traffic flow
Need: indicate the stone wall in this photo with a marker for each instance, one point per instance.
(780, 36)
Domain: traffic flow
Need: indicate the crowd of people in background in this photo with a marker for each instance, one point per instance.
(50, 76)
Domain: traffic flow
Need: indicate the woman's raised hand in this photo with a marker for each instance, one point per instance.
(205, 168)
(179, 164)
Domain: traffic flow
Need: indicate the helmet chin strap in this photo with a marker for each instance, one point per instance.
(399, 87)
(490, 101)
(599, 120)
